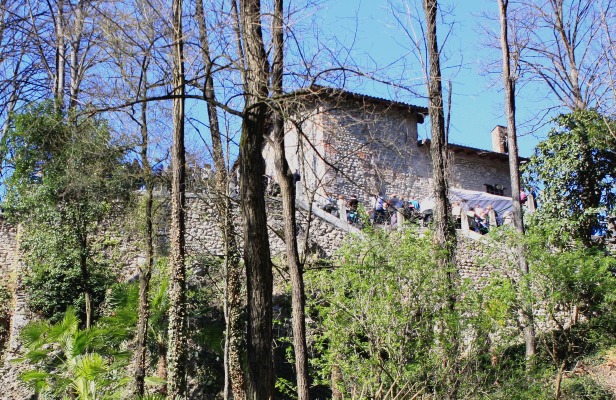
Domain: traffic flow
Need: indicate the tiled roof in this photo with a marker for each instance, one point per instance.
(458, 148)
(335, 92)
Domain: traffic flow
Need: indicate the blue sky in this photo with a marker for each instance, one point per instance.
(477, 97)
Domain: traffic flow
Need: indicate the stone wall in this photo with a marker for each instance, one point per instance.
(473, 172)
(10, 273)
(8, 254)
(203, 234)
(203, 238)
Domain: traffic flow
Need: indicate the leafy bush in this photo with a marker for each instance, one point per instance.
(5, 315)
(65, 180)
(574, 167)
(383, 321)
(572, 290)
(53, 280)
(584, 388)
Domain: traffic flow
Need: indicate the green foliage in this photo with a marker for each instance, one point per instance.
(384, 318)
(120, 311)
(65, 179)
(204, 313)
(572, 290)
(384, 326)
(5, 315)
(514, 382)
(574, 167)
(61, 171)
(71, 362)
(575, 279)
(152, 397)
(584, 388)
(53, 281)
(286, 388)
(159, 307)
(91, 364)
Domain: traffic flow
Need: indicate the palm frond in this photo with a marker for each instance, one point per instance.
(36, 380)
(33, 334)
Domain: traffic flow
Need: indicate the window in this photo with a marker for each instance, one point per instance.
(497, 189)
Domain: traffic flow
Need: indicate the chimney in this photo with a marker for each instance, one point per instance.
(499, 139)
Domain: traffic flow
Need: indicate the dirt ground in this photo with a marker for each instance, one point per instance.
(603, 371)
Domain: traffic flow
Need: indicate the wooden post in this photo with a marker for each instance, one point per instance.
(492, 216)
(530, 203)
(399, 218)
(464, 218)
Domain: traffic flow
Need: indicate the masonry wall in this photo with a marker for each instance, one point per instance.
(8, 253)
(357, 148)
(474, 172)
(374, 151)
(326, 235)
(305, 151)
(203, 236)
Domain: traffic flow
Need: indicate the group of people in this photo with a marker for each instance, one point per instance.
(348, 209)
(480, 219)
(384, 211)
(389, 211)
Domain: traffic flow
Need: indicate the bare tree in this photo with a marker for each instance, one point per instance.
(444, 238)
(145, 270)
(234, 380)
(509, 80)
(259, 377)
(59, 19)
(133, 53)
(565, 48)
(444, 233)
(72, 39)
(287, 190)
(14, 69)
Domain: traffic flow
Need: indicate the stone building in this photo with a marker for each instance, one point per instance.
(347, 143)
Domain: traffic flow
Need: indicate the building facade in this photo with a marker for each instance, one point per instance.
(351, 144)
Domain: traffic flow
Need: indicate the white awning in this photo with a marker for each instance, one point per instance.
(471, 198)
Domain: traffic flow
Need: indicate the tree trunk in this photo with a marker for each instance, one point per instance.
(569, 47)
(336, 382)
(287, 191)
(75, 65)
(161, 365)
(444, 239)
(145, 271)
(444, 232)
(59, 79)
(235, 330)
(559, 380)
(85, 276)
(259, 377)
(177, 356)
(145, 274)
(234, 379)
(514, 171)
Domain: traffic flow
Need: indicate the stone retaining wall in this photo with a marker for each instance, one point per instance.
(8, 253)
(326, 233)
